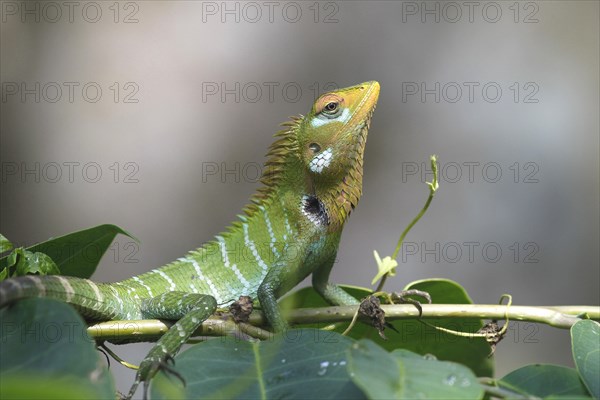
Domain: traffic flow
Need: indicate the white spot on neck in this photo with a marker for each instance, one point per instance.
(321, 160)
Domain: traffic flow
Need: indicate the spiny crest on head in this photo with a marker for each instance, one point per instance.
(274, 166)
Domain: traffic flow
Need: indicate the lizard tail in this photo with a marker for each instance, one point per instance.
(86, 296)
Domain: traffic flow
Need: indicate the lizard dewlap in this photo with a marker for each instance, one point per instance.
(290, 229)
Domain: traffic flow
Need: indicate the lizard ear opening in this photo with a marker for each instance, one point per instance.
(315, 148)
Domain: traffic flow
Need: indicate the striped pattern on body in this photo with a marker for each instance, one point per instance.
(315, 165)
(233, 265)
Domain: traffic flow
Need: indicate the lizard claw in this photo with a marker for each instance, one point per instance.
(148, 370)
(133, 388)
(401, 297)
(167, 367)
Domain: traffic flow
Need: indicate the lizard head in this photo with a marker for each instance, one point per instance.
(333, 135)
(321, 154)
(331, 143)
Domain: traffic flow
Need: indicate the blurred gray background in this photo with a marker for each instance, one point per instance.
(153, 95)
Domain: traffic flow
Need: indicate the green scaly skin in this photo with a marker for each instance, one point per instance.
(292, 228)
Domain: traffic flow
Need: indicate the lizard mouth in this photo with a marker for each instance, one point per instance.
(366, 107)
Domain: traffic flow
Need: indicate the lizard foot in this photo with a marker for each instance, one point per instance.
(149, 368)
(401, 297)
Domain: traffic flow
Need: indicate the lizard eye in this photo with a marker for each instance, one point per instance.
(314, 147)
(331, 107)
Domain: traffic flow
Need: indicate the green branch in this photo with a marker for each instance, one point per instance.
(148, 330)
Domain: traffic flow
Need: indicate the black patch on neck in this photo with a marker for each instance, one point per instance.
(315, 210)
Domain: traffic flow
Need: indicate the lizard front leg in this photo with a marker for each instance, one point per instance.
(337, 296)
(268, 303)
(190, 310)
(283, 275)
(331, 292)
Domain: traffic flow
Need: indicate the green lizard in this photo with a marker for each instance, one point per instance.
(290, 229)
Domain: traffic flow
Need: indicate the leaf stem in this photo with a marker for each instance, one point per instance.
(433, 187)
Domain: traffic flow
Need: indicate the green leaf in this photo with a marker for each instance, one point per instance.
(543, 380)
(34, 263)
(23, 262)
(585, 340)
(13, 257)
(422, 339)
(33, 387)
(568, 397)
(412, 334)
(78, 253)
(9, 269)
(406, 375)
(306, 363)
(46, 341)
(307, 297)
(5, 244)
